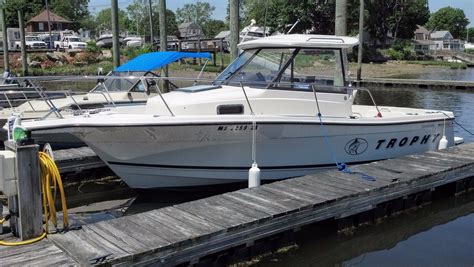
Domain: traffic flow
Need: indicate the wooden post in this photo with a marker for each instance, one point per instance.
(199, 50)
(222, 53)
(234, 28)
(6, 65)
(361, 40)
(27, 221)
(150, 12)
(24, 62)
(341, 18)
(115, 34)
(163, 39)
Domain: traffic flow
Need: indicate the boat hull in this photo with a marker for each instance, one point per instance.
(157, 156)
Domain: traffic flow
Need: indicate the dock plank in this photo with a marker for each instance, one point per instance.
(214, 211)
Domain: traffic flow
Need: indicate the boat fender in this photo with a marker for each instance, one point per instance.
(443, 143)
(254, 176)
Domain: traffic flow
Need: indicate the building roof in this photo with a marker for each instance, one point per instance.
(421, 29)
(187, 24)
(223, 34)
(43, 17)
(439, 34)
(301, 40)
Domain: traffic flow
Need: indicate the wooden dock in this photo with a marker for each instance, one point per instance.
(416, 83)
(76, 160)
(190, 233)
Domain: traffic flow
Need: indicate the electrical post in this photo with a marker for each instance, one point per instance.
(115, 34)
(234, 28)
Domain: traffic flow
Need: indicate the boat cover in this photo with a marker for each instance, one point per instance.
(156, 60)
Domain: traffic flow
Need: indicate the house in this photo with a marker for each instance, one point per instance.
(421, 33)
(190, 30)
(443, 40)
(39, 23)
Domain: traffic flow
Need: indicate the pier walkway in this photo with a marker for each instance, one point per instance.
(188, 233)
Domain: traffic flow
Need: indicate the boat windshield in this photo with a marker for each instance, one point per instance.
(285, 68)
(123, 84)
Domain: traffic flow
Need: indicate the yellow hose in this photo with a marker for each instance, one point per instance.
(51, 182)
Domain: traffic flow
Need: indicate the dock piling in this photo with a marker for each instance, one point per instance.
(25, 208)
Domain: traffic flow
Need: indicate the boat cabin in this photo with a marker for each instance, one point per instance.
(290, 62)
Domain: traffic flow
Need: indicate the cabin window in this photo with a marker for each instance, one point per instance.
(40, 26)
(286, 68)
(230, 109)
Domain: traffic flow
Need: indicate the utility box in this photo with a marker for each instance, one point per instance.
(8, 180)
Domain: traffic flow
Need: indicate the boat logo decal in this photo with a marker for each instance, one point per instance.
(356, 146)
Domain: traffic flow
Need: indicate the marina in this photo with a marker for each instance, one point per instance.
(240, 219)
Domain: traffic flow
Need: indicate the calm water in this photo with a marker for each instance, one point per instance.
(441, 234)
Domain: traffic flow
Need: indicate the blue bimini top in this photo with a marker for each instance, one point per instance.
(157, 60)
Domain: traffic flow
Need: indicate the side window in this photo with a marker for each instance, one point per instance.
(41, 26)
(318, 66)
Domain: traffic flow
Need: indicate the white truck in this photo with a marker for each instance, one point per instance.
(70, 42)
(32, 42)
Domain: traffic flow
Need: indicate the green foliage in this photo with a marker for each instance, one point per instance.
(469, 51)
(104, 19)
(449, 19)
(397, 16)
(470, 33)
(92, 47)
(139, 15)
(30, 9)
(212, 27)
(132, 52)
(452, 65)
(74, 10)
(199, 13)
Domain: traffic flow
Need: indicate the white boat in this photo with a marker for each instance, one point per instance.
(202, 135)
(123, 86)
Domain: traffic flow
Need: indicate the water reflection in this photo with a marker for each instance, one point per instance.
(440, 234)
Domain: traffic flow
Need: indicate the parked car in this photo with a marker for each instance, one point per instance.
(70, 42)
(32, 42)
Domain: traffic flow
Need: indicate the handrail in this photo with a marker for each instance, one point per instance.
(379, 114)
(145, 83)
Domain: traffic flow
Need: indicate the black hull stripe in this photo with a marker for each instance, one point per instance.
(315, 123)
(236, 168)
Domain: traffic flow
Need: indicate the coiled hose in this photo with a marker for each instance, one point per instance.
(50, 183)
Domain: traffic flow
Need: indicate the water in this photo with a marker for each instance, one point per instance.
(441, 234)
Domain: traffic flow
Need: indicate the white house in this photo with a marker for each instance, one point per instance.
(443, 40)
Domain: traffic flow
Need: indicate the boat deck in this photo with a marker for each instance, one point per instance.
(188, 232)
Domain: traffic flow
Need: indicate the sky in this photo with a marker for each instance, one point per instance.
(221, 6)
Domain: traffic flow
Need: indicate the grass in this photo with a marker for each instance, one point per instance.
(452, 65)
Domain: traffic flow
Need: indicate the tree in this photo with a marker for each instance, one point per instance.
(470, 35)
(104, 20)
(75, 10)
(139, 17)
(399, 17)
(407, 15)
(212, 27)
(449, 19)
(30, 8)
(197, 13)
